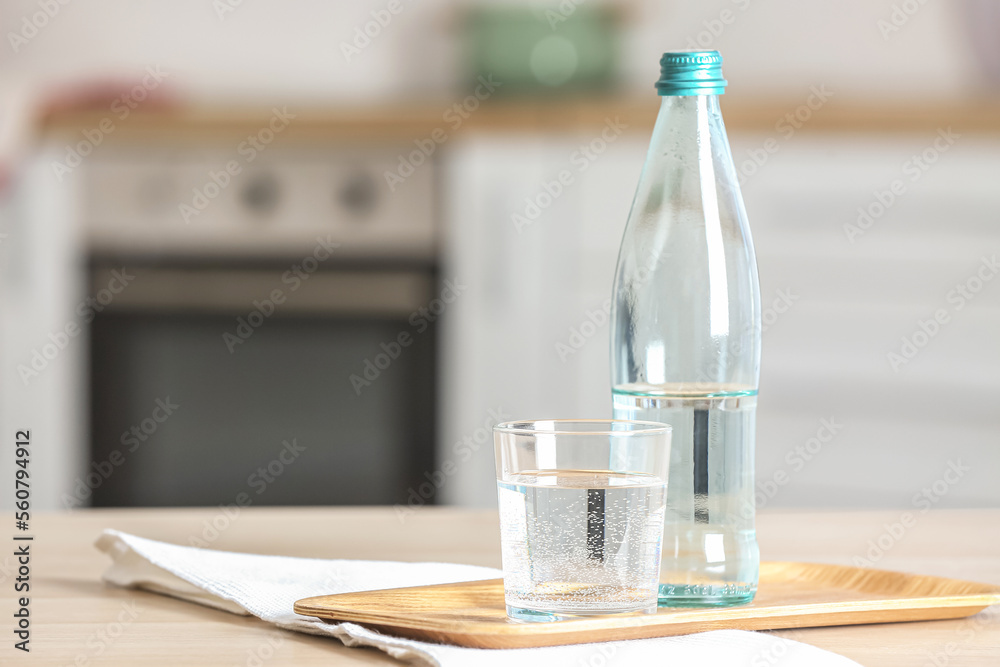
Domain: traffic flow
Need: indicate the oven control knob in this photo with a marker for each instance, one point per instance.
(261, 194)
(359, 194)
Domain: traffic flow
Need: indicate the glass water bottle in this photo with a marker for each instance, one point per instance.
(685, 341)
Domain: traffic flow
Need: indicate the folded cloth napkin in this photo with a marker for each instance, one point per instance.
(268, 586)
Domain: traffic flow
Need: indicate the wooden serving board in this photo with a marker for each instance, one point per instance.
(790, 595)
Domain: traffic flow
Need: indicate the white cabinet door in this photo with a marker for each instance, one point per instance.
(840, 421)
(860, 241)
(534, 225)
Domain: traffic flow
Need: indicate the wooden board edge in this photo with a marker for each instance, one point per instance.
(490, 640)
(887, 611)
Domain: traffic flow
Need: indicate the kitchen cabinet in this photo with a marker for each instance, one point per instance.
(880, 355)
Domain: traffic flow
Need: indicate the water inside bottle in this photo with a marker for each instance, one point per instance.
(710, 555)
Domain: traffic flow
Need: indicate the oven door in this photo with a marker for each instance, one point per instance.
(235, 386)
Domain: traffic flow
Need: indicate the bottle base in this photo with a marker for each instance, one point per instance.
(693, 595)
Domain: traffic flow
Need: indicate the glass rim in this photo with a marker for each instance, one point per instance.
(637, 427)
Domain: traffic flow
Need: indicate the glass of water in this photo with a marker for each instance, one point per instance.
(581, 515)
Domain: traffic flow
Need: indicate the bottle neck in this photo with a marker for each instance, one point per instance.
(689, 149)
(708, 102)
(694, 117)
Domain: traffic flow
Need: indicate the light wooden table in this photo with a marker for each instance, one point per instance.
(78, 620)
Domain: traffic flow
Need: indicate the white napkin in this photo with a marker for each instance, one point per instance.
(267, 586)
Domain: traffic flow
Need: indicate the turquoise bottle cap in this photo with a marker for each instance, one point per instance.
(691, 73)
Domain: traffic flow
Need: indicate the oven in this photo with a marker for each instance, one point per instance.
(273, 348)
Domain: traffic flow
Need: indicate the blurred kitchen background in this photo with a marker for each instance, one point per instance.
(310, 252)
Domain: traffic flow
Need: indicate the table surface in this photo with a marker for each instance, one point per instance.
(74, 614)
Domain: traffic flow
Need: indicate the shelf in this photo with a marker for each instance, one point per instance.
(387, 122)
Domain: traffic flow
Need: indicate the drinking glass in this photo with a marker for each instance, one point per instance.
(581, 515)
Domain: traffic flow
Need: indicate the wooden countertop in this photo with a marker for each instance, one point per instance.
(74, 614)
(418, 119)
